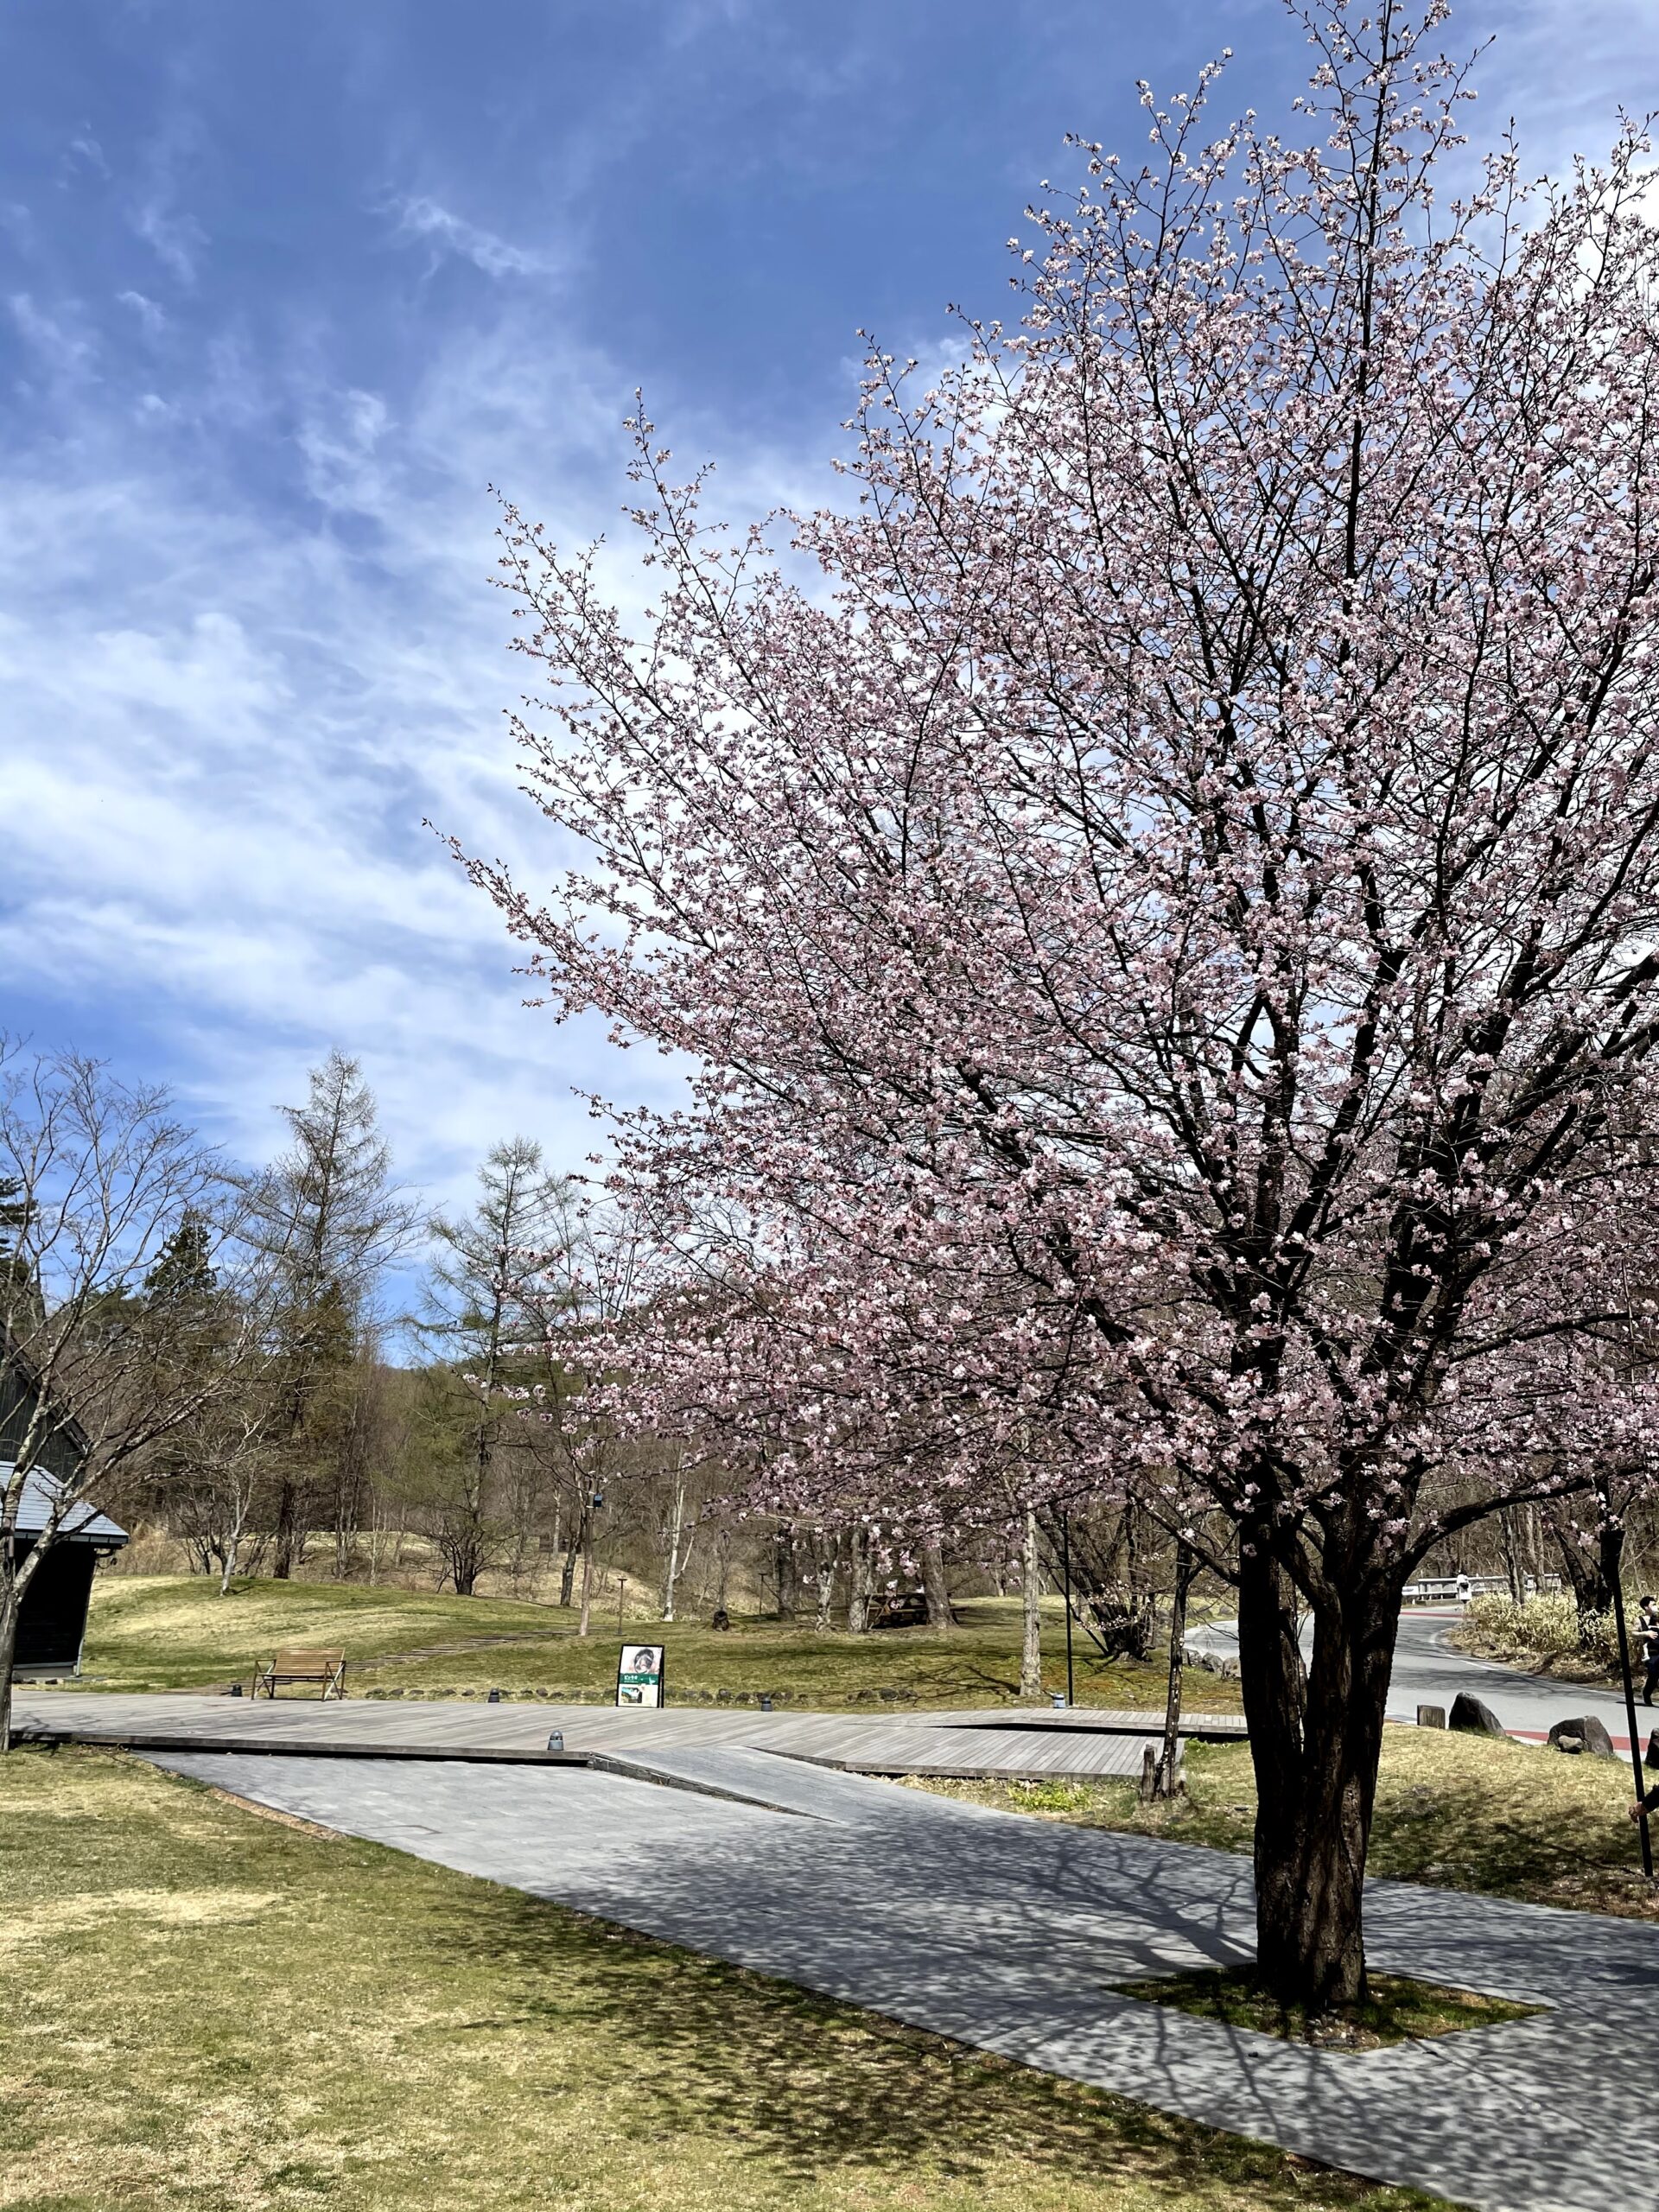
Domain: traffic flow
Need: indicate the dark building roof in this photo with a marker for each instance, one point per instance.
(63, 1445)
(82, 1523)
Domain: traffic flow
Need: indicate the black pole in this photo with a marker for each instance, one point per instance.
(1630, 1703)
(1065, 1570)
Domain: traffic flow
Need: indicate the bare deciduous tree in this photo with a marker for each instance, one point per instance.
(110, 1346)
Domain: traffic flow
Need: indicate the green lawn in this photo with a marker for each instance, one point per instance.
(1457, 1812)
(176, 1632)
(211, 2012)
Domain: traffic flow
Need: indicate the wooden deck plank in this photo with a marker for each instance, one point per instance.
(992, 1742)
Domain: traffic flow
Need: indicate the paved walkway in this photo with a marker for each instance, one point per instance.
(998, 1743)
(1006, 1933)
(1428, 1671)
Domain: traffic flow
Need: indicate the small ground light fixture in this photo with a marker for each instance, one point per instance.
(235, 1689)
(766, 1705)
(1057, 1698)
(494, 1698)
(555, 1739)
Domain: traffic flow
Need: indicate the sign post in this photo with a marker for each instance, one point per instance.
(640, 1675)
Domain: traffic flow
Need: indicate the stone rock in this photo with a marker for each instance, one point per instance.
(1431, 1716)
(1585, 1734)
(1597, 1741)
(1471, 1718)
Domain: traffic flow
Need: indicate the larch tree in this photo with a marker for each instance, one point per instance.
(334, 1220)
(476, 1322)
(576, 1294)
(1163, 923)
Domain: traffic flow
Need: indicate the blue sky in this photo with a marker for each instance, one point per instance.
(283, 290)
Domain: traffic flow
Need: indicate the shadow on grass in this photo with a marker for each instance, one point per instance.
(1455, 1812)
(799, 2081)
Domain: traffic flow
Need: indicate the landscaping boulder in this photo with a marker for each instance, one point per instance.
(1471, 1718)
(1585, 1734)
(1431, 1716)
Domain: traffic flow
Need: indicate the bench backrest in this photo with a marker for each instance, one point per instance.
(308, 1662)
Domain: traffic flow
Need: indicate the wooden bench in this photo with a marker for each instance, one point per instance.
(902, 1609)
(327, 1668)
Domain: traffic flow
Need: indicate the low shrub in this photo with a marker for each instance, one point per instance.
(1547, 1625)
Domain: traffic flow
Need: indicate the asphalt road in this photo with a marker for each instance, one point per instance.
(1428, 1671)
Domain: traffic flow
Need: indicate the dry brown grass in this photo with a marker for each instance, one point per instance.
(210, 2010)
(1460, 1812)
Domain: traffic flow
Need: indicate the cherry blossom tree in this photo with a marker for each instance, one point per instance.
(1158, 891)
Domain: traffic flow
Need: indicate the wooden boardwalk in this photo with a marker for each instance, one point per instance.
(993, 1743)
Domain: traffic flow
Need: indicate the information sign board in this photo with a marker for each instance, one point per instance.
(640, 1675)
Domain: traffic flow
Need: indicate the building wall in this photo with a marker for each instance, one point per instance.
(52, 1621)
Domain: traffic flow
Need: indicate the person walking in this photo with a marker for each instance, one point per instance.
(1647, 1628)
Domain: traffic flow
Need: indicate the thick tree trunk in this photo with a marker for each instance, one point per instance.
(1590, 1571)
(826, 1588)
(567, 1573)
(936, 1588)
(1316, 1734)
(1030, 1589)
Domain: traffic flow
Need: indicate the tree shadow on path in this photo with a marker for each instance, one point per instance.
(797, 2079)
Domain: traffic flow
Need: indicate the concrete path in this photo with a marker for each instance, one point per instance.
(1005, 1933)
(1428, 1671)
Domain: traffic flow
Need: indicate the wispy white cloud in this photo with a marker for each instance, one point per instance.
(175, 237)
(84, 152)
(340, 439)
(66, 353)
(1562, 68)
(152, 320)
(223, 723)
(248, 641)
(156, 201)
(427, 219)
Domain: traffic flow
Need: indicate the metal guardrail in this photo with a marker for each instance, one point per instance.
(1458, 1589)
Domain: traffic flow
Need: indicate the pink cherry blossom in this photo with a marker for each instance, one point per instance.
(1160, 907)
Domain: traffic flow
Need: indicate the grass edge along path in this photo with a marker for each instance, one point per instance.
(217, 2010)
(1398, 2009)
(1497, 1818)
